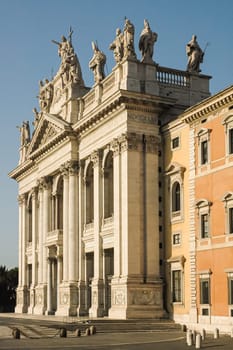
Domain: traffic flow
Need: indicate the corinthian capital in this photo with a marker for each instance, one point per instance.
(44, 182)
(96, 157)
(129, 141)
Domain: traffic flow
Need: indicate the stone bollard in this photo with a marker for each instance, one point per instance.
(194, 336)
(78, 332)
(63, 333)
(92, 330)
(189, 337)
(203, 334)
(16, 333)
(216, 333)
(198, 341)
(87, 331)
(183, 328)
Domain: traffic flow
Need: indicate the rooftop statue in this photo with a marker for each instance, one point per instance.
(37, 116)
(45, 94)
(123, 44)
(195, 55)
(146, 43)
(24, 133)
(70, 69)
(117, 46)
(128, 35)
(97, 63)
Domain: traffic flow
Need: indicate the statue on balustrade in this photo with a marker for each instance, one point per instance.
(70, 69)
(117, 46)
(146, 43)
(128, 40)
(195, 55)
(97, 63)
(24, 133)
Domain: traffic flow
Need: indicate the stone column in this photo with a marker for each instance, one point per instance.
(59, 277)
(73, 237)
(73, 222)
(46, 222)
(43, 229)
(49, 288)
(34, 255)
(40, 234)
(68, 289)
(117, 208)
(21, 305)
(137, 293)
(81, 251)
(97, 307)
(34, 236)
(65, 223)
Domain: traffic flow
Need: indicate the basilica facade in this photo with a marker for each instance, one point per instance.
(107, 185)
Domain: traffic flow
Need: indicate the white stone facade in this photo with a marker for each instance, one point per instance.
(89, 209)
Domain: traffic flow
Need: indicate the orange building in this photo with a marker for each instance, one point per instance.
(211, 207)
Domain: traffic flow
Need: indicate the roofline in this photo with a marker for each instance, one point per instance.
(209, 105)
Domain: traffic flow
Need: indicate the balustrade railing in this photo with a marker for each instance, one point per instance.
(172, 77)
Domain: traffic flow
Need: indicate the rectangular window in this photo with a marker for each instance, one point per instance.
(175, 142)
(176, 238)
(231, 141)
(205, 291)
(230, 220)
(230, 290)
(204, 226)
(176, 286)
(204, 152)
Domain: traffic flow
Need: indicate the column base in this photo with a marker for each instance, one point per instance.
(32, 301)
(97, 299)
(22, 297)
(131, 300)
(82, 305)
(40, 300)
(68, 300)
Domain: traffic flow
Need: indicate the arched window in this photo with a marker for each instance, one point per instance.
(108, 186)
(176, 197)
(89, 189)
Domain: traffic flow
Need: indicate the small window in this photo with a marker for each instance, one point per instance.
(176, 197)
(175, 142)
(205, 312)
(230, 220)
(176, 286)
(230, 290)
(231, 141)
(176, 239)
(205, 291)
(204, 152)
(204, 226)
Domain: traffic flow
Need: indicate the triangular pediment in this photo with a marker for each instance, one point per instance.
(49, 127)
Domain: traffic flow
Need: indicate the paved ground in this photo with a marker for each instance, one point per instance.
(43, 333)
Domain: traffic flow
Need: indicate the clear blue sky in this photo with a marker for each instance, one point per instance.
(27, 56)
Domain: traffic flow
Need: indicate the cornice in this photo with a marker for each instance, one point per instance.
(21, 169)
(209, 105)
(51, 144)
(124, 100)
